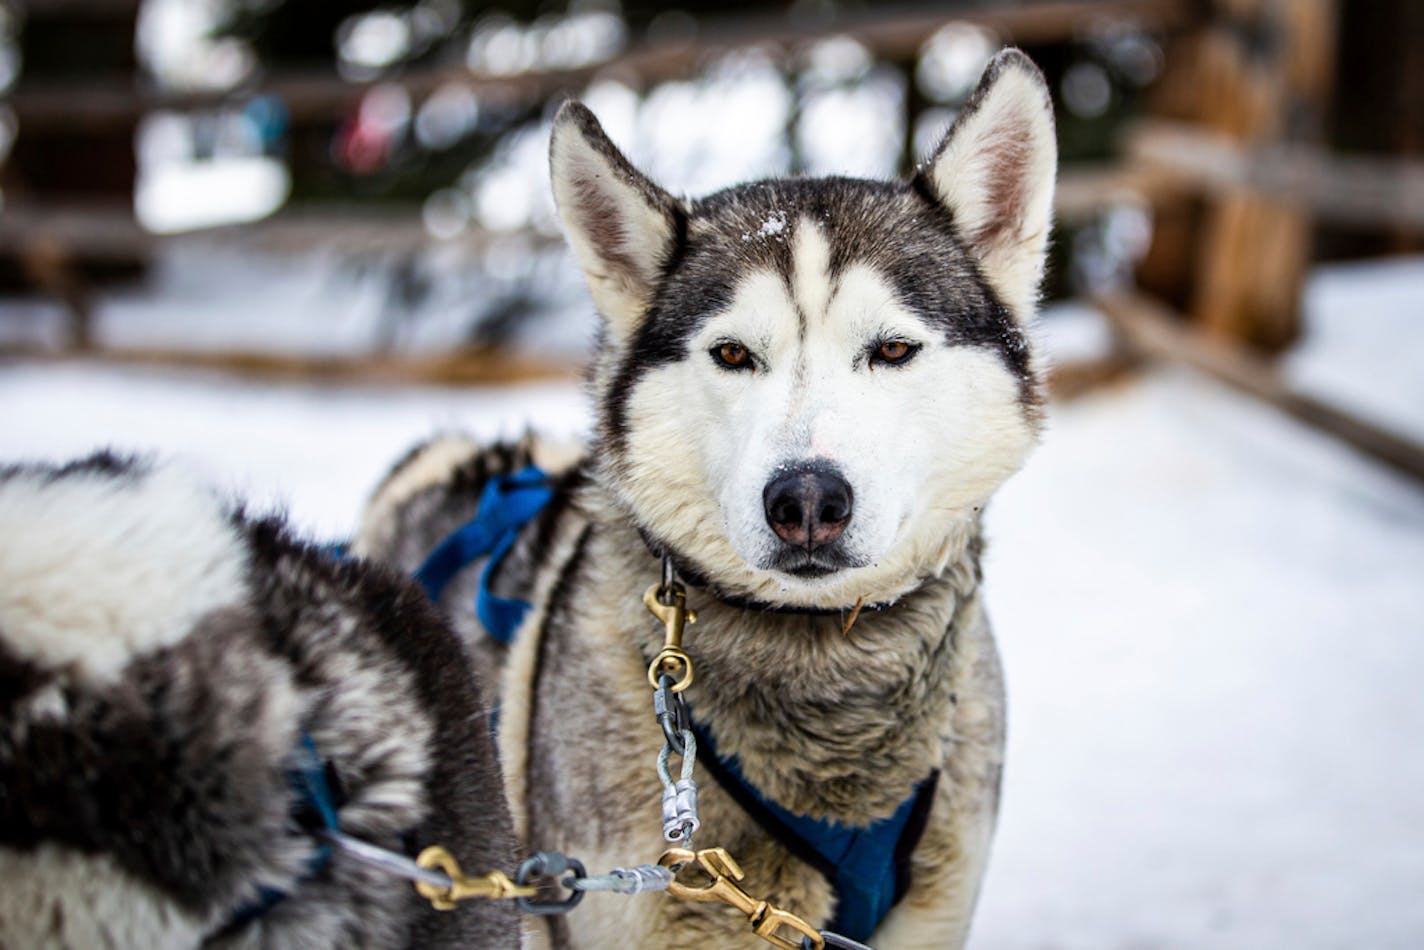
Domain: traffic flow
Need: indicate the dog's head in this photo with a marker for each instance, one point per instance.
(807, 386)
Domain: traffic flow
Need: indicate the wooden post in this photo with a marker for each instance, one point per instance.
(51, 265)
(58, 165)
(1259, 73)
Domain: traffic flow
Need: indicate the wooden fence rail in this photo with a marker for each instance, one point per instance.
(1152, 330)
(889, 31)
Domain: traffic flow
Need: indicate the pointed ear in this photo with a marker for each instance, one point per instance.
(621, 226)
(994, 171)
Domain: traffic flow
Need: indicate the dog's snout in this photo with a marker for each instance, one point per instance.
(808, 507)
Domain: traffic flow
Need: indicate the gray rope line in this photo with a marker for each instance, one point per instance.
(689, 758)
(635, 880)
(644, 877)
(835, 941)
(389, 861)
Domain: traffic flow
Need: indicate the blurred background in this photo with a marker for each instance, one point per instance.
(284, 239)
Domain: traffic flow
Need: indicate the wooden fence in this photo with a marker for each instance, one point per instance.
(1231, 160)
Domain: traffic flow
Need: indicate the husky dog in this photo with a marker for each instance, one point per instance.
(162, 657)
(807, 391)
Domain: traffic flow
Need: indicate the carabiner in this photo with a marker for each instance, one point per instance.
(671, 711)
(550, 864)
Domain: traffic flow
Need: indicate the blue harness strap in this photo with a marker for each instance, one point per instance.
(314, 805)
(507, 504)
(868, 866)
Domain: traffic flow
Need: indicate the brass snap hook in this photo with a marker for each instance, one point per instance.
(720, 866)
(671, 659)
(767, 920)
(495, 885)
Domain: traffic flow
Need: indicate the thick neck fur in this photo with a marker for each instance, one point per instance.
(827, 724)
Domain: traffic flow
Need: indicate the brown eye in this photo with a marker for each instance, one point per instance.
(733, 356)
(894, 351)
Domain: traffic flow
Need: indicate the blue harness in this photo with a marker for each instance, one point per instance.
(868, 866)
(507, 504)
(314, 806)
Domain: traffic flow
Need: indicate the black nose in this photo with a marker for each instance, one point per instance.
(807, 507)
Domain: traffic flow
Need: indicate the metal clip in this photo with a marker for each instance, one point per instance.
(767, 921)
(551, 864)
(671, 660)
(495, 885)
(680, 820)
(670, 709)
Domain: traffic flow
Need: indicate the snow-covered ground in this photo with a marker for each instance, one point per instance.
(1364, 336)
(1212, 621)
(1213, 626)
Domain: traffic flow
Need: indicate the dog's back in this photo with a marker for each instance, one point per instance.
(434, 492)
(162, 659)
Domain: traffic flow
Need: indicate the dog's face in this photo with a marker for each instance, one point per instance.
(804, 385)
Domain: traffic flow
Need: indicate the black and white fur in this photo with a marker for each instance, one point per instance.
(808, 284)
(160, 655)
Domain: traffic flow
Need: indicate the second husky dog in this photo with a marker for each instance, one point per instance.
(807, 391)
(189, 695)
